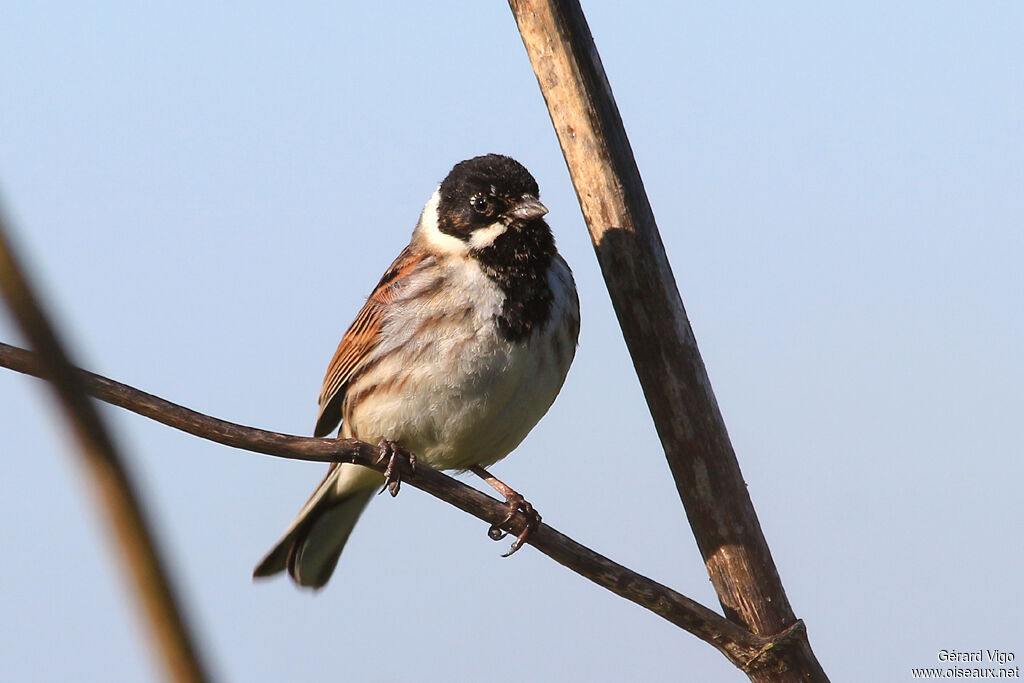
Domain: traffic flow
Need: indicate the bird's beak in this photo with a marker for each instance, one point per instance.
(527, 209)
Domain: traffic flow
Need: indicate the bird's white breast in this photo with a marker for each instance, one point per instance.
(449, 387)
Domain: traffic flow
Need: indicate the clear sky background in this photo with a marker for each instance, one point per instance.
(209, 192)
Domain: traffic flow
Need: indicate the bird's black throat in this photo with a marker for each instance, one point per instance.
(519, 261)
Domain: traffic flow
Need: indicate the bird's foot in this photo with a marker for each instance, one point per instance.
(516, 503)
(393, 453)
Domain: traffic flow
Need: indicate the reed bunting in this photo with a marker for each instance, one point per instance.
(457, 353)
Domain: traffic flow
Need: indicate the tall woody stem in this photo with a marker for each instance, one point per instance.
(657, 332)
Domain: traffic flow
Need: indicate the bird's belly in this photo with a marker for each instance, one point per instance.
(465, 404)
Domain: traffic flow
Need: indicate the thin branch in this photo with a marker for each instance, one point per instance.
(736, 643)
(654, 324)
(110, 482)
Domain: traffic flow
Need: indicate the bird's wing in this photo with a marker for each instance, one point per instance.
(361, 339)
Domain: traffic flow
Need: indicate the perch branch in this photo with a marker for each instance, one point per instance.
(739, 645)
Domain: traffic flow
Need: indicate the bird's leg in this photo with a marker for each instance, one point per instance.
(515, 503)
(392, 452)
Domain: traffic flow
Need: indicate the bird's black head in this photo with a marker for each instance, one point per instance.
(490, 205)
(485, 190)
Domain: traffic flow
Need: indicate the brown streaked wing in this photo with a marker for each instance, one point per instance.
(360, 339)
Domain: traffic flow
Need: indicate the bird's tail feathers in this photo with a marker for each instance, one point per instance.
(310, 548)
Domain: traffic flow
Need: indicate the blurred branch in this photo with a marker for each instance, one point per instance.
(110, 483)
(739, 645)
(660, 340)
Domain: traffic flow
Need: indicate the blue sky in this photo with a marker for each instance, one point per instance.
(208, 194)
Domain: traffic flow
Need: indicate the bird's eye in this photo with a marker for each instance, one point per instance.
(480, 203)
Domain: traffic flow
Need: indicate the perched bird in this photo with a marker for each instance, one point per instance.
(457, 353)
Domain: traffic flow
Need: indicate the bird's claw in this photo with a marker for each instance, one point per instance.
(392, 452)
(516, 503)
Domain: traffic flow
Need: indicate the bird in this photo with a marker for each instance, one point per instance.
(458, 352)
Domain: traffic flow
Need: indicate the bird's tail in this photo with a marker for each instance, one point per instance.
(309, 550)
